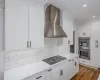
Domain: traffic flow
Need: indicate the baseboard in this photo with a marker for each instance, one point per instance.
(89, 66)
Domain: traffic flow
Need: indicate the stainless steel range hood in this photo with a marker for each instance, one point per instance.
(52, 23)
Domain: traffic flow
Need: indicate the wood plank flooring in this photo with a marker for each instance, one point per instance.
(86, 73)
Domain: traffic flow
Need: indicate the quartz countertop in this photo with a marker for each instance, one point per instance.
(23, 72)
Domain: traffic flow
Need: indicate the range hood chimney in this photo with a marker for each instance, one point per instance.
(52, 23)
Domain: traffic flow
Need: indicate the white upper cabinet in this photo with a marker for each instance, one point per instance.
(85, 30)
(36, 26)
(24, 25)
(16, 25)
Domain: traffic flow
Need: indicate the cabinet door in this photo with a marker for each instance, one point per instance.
(39, 76)
(69, 70)
(85, 30)
(95, 44)
(76, 65)
(56, 73)
(16, 25)
(36, 26)
(49, 74)
(65, 68)
(73, 67)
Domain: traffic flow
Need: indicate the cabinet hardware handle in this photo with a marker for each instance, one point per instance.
(30, 44)
(49, 70)
(75, 63)
(77, 58)
(83, 61)
(69, 60)
(27, 44)
(39, 77)
(61, 72)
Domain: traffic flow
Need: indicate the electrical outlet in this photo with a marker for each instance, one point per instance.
(69, 42)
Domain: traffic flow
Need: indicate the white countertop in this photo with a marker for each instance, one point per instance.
(30, 69)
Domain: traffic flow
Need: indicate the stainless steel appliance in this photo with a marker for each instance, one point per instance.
(52, 23)
(84, 47)
(54, 59)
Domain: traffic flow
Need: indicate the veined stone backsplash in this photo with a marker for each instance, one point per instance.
(15, 59)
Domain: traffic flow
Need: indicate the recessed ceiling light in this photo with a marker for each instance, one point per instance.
(94, 16)
(84, 5)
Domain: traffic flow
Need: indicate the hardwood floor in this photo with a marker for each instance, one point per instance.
(86, 73)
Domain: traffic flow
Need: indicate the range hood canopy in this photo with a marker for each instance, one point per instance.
(52, 23)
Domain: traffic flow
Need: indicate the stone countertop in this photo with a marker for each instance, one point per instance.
(23, 72)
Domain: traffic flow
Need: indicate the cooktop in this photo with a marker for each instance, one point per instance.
(54, 59)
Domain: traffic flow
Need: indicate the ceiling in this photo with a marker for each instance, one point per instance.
(75, 8)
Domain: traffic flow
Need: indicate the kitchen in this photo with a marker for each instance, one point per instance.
(40, 39)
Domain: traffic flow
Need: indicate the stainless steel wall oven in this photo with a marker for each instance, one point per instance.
(84, 47)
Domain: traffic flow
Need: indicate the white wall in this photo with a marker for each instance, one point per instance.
(1, 43)
(68, 27)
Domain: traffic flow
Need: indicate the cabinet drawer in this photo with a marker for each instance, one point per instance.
(86, 62)
(39, 76)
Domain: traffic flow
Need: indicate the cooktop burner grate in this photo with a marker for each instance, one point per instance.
(54, 59)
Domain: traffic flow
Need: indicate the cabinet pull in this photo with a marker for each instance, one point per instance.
(61, 72)
(49, 70)
(83, 61)
(77, 58)
(27, 44)
(75, 63)
(39, 77)
(69, 60)
(30, 44)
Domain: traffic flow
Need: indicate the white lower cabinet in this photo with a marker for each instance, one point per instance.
(53, 73)
(71, 67)
(56, 75)
(76, 64)
(63, 71)
(39, 76)
(49, 74)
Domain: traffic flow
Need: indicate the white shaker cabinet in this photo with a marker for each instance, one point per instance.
(69, 70)
(63, 71)
(16, 25)
(24, 25)
(66, 72)
(56, 73)
(84, 30)
(95, 44)
(76, 65)
(36, 26)
(71, 67)
(39, 76)
(49, 74)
